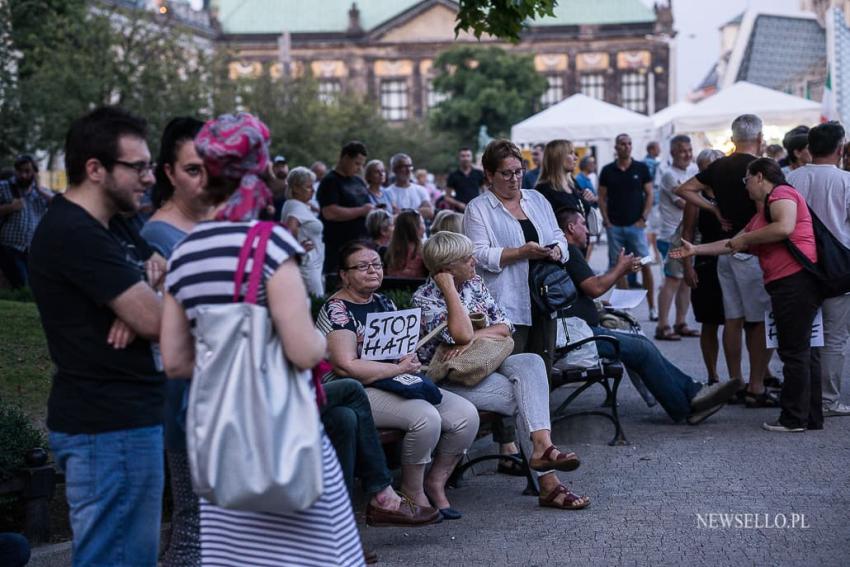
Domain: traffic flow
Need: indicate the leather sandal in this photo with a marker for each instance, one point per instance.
(665, 333)
(683, 330)
(510, 467)
(563, 462)
(572, 501)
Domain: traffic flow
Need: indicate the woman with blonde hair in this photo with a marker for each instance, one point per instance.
(380, 226)
(447, 221)
(404, 255)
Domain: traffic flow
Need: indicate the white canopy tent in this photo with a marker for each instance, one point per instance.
(585, 121)
(775, 108)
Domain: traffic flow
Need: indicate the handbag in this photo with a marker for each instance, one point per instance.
(411, 386)
(253, 429)
(482, 357)
(570, 331)
(594, 222)
(832, 270)
(552, 289)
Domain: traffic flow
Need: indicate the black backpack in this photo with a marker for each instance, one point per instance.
(833, 266)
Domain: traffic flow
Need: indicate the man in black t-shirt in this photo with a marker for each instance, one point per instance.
(344, 202)
(745, 300)
(464, 183)
(88, 275)
(625, 201)
(679, 394)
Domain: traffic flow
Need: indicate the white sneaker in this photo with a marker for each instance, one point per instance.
(653, 314)
(837, 410)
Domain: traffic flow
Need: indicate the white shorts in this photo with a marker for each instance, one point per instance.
(742, 284)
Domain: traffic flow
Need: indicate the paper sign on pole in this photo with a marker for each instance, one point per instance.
(391, 335)
(770, 332)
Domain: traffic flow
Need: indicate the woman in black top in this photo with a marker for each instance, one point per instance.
(556, 181)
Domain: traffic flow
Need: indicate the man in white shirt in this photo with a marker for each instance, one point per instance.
(403, 192)
(671, 208)
(826, 189)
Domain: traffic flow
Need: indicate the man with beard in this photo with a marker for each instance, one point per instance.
(93, 278)
(22, 206)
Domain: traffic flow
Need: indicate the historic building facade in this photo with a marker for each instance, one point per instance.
(615, 50)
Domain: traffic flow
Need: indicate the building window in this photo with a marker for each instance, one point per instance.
(394, 99)
(633, 91)
(554, 93)
(433, 96)
(329, 90)
(593, 86)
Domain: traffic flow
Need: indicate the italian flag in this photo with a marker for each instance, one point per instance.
(828, 111)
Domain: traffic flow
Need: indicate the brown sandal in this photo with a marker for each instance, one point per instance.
(571, 500)
(665, 333)
(683, 330)
(563, 462)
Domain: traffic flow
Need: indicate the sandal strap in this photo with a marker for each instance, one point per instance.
(548, 452)
(560, 489)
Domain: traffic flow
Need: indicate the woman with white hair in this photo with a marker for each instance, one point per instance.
(519, 387)
(305, 227)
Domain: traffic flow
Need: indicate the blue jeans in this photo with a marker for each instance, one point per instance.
(670, 386)
(347, 417)
(632, 238)
(113, 483)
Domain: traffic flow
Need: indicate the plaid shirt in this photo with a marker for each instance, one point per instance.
(17, 228)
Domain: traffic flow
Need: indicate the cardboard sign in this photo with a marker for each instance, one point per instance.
(770, 332)
(391, 335)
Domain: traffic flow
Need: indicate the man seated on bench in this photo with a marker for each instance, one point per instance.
(679, 394)
(519, 386)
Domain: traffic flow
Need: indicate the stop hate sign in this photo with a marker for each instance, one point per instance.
(391, 335)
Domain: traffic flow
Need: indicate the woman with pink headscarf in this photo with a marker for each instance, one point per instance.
(201, 272)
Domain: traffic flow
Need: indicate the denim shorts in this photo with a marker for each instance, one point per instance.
(632, 238)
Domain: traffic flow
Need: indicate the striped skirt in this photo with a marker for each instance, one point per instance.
(324, 535)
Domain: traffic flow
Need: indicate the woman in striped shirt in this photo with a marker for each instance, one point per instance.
(201, 272)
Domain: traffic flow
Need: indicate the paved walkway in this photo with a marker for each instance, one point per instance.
(652, 500)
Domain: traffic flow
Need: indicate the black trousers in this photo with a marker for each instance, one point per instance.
(795, 300)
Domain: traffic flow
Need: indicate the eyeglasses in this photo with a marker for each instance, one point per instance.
(508, 174)
(364, 267)
(744, 179)
(140, 167)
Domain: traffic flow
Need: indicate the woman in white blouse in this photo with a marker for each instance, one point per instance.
(511, 227)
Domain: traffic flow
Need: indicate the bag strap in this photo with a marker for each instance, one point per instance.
(260, 232)
(256, 277)
(427, 338)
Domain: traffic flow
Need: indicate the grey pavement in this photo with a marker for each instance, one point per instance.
(647, 496)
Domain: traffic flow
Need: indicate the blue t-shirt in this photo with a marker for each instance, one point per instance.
(162, 237)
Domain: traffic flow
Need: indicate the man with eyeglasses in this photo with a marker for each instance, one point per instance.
(94, 281)
(22, 206)
(404, 193)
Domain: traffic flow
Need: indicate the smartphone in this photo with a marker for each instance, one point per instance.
(550, 246)
(381, 206)
(646, 260)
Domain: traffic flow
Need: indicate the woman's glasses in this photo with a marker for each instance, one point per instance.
(364, 266)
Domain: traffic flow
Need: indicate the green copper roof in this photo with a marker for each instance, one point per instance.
(300, 16)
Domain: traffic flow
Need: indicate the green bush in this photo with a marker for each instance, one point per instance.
(17, 437)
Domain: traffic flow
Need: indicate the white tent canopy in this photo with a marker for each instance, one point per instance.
(668, 114)
(774, 107)
(584, 121)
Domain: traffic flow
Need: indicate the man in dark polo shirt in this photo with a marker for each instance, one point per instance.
(745, 299)
(90, 274)
(625, 201)
(344, 202)
(465, 182)
(681, 396)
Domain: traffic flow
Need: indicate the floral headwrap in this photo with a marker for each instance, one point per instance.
(237, 147)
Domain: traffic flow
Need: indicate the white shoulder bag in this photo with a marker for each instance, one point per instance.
(253, 428)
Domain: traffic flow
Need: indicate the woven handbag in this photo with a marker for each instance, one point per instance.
(482, 357)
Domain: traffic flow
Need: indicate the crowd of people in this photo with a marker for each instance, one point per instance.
(121, 307)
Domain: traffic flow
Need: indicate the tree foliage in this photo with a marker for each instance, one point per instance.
(487, 87)
(70, 56)
(304, 128)
(504, 19)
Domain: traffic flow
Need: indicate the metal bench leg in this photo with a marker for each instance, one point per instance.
(619, 436)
